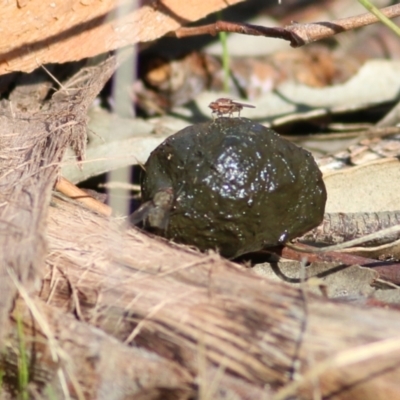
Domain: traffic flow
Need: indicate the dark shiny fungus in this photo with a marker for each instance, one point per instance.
(231, 185)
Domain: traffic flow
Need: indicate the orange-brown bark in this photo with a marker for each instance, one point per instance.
(48, 31)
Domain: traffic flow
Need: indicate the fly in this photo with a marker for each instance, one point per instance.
(224, 106)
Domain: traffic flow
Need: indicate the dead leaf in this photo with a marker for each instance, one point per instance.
(391, 296)
(116, 142)
(370, 187)
(377, 81)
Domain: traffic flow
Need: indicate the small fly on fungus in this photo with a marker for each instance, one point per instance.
(224, 106)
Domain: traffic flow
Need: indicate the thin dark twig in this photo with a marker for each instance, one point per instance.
(225, 26)
(297, 34)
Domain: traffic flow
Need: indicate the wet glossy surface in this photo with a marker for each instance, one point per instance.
(238, 186)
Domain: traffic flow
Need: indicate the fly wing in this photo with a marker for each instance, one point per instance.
(247, 105)
(242, 104)
(141, 214)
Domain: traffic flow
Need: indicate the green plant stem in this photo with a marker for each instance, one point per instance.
(1, 381)
(385, 20)
(50, 392)
(225, 56)
(23, 373)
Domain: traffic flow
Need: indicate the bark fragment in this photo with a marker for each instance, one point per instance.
(44, 31)
(31, 148)
(341, 227)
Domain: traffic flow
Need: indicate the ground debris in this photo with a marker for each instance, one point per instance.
(32, 145)
(340, 227)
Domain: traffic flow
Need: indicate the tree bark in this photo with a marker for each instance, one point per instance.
(186, 306)
(32, 146)
(36, 32)
(92, 364)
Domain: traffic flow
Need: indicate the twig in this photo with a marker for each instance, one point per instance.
(297, 34)
(351, 243)
(371, 8)
(387, 270)
(225, 26)
(69, 189)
